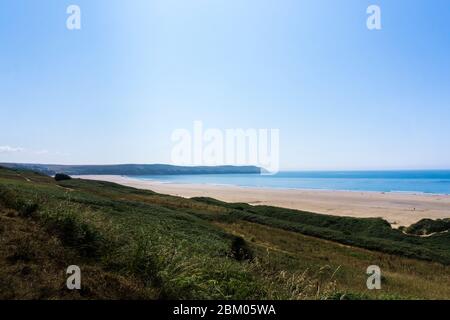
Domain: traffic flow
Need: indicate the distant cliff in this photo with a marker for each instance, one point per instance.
(130, 169)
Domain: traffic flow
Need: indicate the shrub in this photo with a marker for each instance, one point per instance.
(428, 226)
(28, 208)
(11, 200)
(240, 250)
(74, 232)
(62, 177)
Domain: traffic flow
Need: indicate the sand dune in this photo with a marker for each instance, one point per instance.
(399, 209)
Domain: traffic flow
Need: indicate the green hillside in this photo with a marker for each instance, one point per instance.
(130, 169)
(138, 244)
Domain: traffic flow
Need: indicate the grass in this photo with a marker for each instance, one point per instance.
(371, 233)
(33, 264)
(293, 252)
(139, 244)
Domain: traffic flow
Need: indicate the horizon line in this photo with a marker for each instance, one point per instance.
(235, 165)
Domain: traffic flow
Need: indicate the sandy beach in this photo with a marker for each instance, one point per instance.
(399, 209)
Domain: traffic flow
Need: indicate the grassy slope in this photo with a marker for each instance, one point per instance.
(33, 264)
(149, 245)
(402, 277)
(370, 233)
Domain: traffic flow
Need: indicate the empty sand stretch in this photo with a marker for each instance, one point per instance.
(399, 209)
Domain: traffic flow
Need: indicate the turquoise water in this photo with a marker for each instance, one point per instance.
(427, 181)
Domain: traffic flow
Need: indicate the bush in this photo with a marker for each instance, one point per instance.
(62, 177)
(69, 226)
(28, 208)
(428, 226)
(240, 250)
(11, 200)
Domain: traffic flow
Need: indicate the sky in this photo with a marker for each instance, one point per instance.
(342, 97)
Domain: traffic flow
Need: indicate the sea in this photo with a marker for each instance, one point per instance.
(408, 181)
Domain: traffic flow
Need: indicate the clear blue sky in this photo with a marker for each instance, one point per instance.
(342, 96)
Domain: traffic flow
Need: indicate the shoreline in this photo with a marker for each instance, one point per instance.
(278, 188)
(398, 208)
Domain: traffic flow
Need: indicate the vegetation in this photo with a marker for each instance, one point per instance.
(370, 233)
(130, 169)
(138, 244)
(62, 176)
(427, 227)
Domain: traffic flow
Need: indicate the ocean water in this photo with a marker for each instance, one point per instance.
(425, 181)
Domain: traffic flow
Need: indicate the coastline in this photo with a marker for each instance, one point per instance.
(398, 208)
